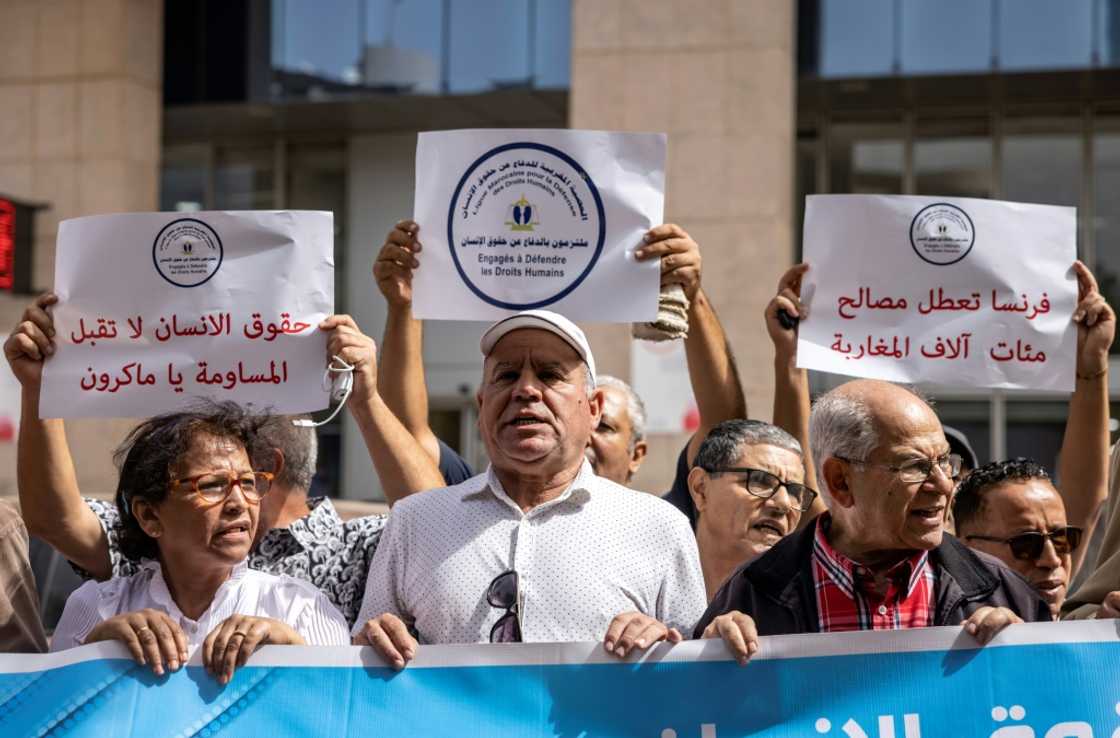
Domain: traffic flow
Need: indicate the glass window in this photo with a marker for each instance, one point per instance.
(182, 178)
(946, 36)
(1108, 32)
(856, 38)
(243, 179)
(489, 45)
(403, 48)
(1043, 34)
(553, 41)
(321, 40)
(866, 159)
(1042, 168)
(1106, 221)
(953, 166)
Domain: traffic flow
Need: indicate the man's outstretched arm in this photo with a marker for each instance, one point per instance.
(1083, 462)
(400, 377)
(711, 364)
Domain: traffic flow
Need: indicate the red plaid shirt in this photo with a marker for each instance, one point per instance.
(846, 596)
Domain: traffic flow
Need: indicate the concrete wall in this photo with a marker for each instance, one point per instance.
(80, 106)
(718, 76)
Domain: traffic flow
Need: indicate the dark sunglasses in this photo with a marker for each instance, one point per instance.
(504, 593)
(1028, 546)
(765, 485)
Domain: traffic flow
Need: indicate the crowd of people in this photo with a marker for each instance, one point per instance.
(859, 511)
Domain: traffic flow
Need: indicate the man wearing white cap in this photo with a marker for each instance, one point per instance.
(538, 548)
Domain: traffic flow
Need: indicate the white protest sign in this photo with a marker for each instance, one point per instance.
(513, 220)
(953, 291)
(157, 310)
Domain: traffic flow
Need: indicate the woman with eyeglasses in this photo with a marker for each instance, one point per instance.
(189, 503)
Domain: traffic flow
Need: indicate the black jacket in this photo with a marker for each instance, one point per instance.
(776, 589)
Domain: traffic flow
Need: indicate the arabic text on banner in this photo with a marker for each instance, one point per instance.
(951, 291)
(157, 310)
(1041, 680)
(522, 219)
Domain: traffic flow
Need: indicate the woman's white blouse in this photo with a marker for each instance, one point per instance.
(246, 592)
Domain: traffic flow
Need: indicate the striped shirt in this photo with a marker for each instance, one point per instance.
(246, 592)
(847, 598)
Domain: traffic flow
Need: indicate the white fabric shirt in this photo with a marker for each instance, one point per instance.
(595, 552)
(246, 592)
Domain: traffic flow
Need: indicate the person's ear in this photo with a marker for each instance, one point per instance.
(147, 515)
(698, 480)
(277, 462)
(836, 481)
(595, 406)
(637, 456)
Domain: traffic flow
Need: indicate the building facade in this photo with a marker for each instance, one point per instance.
(116, 105)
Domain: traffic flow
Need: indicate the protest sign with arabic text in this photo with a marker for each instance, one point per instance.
(952, 291)
(157, 310)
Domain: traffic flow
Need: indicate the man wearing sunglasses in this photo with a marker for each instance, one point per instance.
(879, 559)
(748, 488)
(1009, 509)
(538, 548)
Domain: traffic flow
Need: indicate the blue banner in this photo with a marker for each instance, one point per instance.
(1036, 681)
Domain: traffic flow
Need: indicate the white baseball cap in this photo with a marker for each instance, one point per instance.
(544, 320)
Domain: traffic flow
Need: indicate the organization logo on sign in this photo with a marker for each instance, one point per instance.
(520, 217)
(525, 226)
(942, 234)
(187, 252)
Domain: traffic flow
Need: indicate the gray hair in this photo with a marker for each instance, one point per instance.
(635, 408)
(300, 446)
(724, 443)
(840, 426)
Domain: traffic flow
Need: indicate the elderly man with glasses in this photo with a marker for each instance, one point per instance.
(538, 548)
(879, 559)
(747, 485)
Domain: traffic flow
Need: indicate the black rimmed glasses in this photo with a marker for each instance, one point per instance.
(215, 487)
(917, 470)
(1028, 546)
(765, 485)
(504, 593)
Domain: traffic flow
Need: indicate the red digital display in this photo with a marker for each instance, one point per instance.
(7, 244)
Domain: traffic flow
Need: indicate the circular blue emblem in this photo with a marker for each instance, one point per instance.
(551, 239)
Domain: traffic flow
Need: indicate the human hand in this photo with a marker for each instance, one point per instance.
(390, 638)
(679, 254)
(985, 623)
(788, 298)
(347, 342)
(236, 638)
(1096, 324)
(394, 264)
(738, 632)
(32, 341)
(1110, 606)
(151, 636)
(632, 630)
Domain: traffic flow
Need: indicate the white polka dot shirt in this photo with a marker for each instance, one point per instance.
(595, 552)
